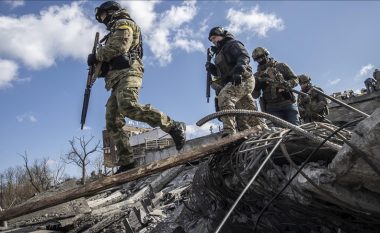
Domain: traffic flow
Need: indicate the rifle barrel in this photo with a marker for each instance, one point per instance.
(86, 100)
(91, 74)
(208, 81)
(340, 102)
(299, 92)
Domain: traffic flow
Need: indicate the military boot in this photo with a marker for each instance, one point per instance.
(177, 132)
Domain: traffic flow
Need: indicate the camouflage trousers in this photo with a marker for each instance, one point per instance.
(237, 97)
(124, 102)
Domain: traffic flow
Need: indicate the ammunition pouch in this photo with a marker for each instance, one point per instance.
(291, 96)
(104, 69)
(121, 62)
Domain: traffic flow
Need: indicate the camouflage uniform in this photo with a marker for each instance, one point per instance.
(376, 76)
(277, 99)
(124, 41)
(371, 85)
(312, 107)
(232, 59)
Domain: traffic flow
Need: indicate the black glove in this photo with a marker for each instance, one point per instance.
(209, 66)
(236, 79)
(91, 59)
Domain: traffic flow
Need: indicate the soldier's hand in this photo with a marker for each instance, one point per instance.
(209, 67)
(236, 79)
(91, 59)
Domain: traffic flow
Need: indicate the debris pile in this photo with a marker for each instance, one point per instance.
(298, 185)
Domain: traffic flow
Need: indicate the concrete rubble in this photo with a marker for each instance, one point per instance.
(336, 191)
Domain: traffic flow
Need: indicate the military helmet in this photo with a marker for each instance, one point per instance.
(259, 52)
(104, 7)
(216, 31)
(303, 78)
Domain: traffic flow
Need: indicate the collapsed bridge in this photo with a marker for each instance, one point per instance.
(313, 178)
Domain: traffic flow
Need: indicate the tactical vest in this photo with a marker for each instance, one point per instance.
(314, 100)
(224, 62)
(271, 92)
(135, 52)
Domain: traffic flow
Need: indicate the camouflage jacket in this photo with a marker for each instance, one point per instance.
(124, 38)
(268, 78)
(312, 107)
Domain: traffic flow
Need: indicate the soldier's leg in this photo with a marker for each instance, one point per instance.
(114, 125)
(246, 122)
(227, 99)
(246, 101)
(290, 113)
(128, 105)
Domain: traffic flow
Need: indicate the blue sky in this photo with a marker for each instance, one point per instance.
(45, 45)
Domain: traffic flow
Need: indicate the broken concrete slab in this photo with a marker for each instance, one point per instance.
(351, 169)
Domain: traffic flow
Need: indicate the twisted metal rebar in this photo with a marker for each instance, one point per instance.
(272, 118)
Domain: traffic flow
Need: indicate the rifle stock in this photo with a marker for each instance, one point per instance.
(93, 72)
(208, 84)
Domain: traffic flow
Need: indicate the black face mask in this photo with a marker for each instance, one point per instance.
(306, 87)
(107, 19)
(261, 60)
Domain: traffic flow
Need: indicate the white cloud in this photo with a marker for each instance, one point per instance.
(365, 70)
(142, 12)
(335, 81)
(189, 45)
(15, 3)
(163, 31)
(193, 131)
(85, 127)
(56, 32)
(65, 31)
(26, 117)
(8, 73)
(253, 21)
(51, 162)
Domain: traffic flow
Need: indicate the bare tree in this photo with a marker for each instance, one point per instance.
(80, 156)
(39, 173)
(98, 163)
(58, 172)
(10, 183)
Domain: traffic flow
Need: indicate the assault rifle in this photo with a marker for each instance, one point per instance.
(286, 86)
(208, 81)
(340, 102)
(93, 72)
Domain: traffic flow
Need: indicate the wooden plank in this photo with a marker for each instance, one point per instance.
(90, 189)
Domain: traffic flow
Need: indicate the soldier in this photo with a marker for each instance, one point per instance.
(274, 81)
(122, 52)
(314, 106)
(376, 75)
(234, 80)
(370, 85)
